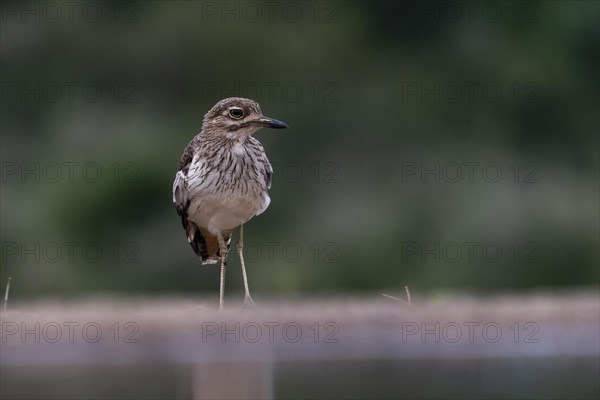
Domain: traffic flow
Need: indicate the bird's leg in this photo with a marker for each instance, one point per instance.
(223, 248)
(240, 247)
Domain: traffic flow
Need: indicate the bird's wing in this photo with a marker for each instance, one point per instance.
(180, 185)
(268, 174)
(180, 194)
(182, 202)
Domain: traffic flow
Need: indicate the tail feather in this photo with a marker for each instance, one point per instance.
(205, 244)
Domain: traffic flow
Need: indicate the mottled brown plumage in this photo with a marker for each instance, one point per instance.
(223, 178)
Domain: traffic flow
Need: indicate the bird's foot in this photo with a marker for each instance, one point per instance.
(248, 303)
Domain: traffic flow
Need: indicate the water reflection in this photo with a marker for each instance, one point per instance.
(351, 379)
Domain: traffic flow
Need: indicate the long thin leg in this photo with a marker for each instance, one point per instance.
(223, 248)
(240, 247)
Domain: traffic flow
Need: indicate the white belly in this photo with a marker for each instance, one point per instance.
(217, 213)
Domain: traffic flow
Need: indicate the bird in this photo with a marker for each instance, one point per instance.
(222, 182)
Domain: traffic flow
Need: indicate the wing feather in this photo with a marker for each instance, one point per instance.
(182, 202)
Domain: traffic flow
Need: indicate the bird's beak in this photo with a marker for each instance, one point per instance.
(270, 123)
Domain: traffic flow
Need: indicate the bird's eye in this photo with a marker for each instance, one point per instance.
(236, 113)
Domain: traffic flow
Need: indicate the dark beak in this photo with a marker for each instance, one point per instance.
(271, 123)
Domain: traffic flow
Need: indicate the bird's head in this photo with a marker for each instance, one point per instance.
(236, 117)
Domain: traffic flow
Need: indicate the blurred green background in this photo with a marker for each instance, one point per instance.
(401, 115)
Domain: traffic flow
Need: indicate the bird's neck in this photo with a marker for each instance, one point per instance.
(223, 138)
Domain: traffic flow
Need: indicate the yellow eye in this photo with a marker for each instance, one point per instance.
(236, 113)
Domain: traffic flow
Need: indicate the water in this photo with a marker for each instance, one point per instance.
(510, 378)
